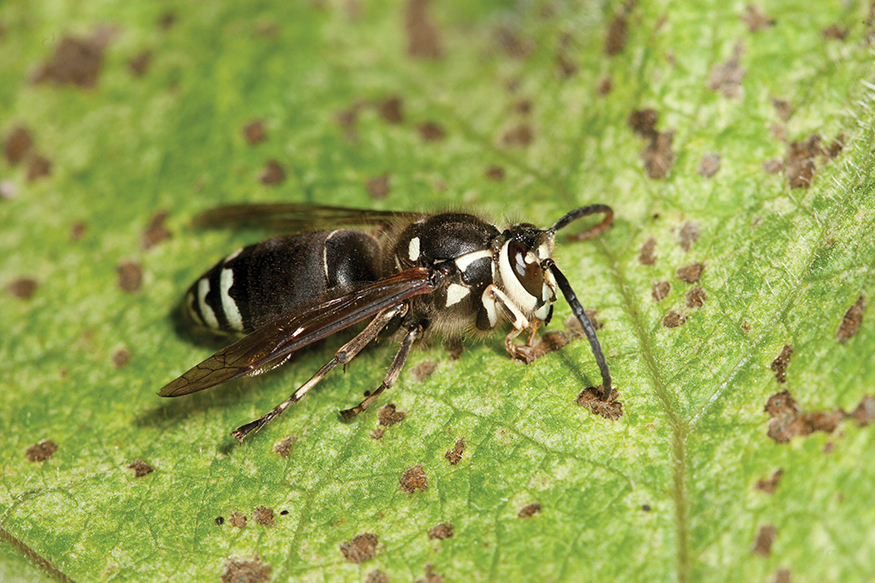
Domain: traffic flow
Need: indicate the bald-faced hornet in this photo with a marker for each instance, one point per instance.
(448, 274)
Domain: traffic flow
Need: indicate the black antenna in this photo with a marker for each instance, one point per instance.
(585, 323)
(585, 211)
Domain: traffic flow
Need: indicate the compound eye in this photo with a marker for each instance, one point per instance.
(530, 275)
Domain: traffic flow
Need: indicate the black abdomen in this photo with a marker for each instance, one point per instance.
(255, 284)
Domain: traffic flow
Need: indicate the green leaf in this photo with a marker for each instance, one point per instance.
(666, 492)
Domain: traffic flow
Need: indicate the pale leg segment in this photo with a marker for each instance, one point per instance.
(343, 356)
(492, 296)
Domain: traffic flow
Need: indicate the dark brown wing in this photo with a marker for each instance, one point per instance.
(293, 330)
(291, 217)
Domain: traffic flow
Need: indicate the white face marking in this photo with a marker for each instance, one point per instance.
(232, 312)
(233, 255)
(456, 293)
(465, 261)
(515, 290)
(413, 250)
(493, 293)
(203, 288)
(192, 308)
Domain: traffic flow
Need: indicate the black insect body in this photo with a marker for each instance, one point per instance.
(448, 274)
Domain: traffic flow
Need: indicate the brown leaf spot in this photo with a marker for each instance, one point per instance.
(782, 108)
(38, 167)
(77, 231)
(616, 37)
(756, 20)
(605, 85)
(430, 576)
(550, 342)
(76, 61)
(423, 36)
(565, 68)
(378, 187)
(167, 20)
(643, 122)
(348, 118)
(646, 256)
(130, 276)
(138, 64)
(454, 456)
(429, 131)
(377, 576)
(510, 41)
(593, 399)
(773, 166)
(835, 32)
(495, 173)
(673, 319)
(273, 173)
(263, 516)
(695, 298)
(658, 155)
(17, 144)
(788, 421)
(237, 519)
(361, 548)
(765, 537)
(768, 485)
(156, 231)
(441, 531)
(780, 364)
(688, 235)
(782, 576)
(529, 510)
(413, 479)
(690, 273)
(378, 433)
(254, 132)
(851, 321)
(423, 370)
(252, 570)
(520, 135)
(799, 162)
(865, 411)
(835, 148)
(726, 77)
(391, 110)
(660, 290)
(283, 447)
(140, 468)
(389, 415)
(22, 288)
(121, 357)
(709, 165)
(40, 452)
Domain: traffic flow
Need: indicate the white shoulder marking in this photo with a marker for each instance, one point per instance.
(456, 293)
(233, 255)
(413, 250)
(203, 288)
(232, 312)
(464, 262)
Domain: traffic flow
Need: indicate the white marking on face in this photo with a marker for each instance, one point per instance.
(203, 288)
(515, 290)
(488, 301)
(456, 293)
(190, 300)
(492, 295)
(232, 312)
(233, 255)
(464, 262)
(413, 250)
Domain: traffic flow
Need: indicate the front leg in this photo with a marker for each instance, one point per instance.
(495, 299)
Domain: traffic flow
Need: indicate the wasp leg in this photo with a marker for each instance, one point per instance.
(391, 375)
(493, 295)
(346, 353)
